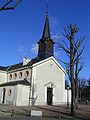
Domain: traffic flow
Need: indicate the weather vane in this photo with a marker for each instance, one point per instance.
(46, 7)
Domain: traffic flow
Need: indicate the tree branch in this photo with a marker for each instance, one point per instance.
(66, 45)
(77, 44)
(79, 54)
(63, 48)
(64, 62)
(5, 6)
(80, 68)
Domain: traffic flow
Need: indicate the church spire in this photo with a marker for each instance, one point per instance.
(45, 44)
(46, 7)
(46, 31)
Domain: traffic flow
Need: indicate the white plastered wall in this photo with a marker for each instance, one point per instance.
(10, 98)
(22, 95)
(67, 96)
(3, 79)
(17, 72)
(49, 72)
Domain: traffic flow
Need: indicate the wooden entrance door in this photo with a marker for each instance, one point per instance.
(49, 96)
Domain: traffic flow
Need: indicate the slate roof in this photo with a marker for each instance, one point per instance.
(19, 65)
(46, 32)
(12, 67)
(2, 68)
(13, 83)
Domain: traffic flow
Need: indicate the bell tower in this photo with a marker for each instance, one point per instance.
(45, 44)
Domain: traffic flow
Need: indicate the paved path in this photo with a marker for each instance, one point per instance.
(30, 118)
(33, 118)
(49, 113)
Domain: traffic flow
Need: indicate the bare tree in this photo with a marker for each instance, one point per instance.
(7, 5)
(34, 97)
(78, 67)
(89, 81)
(71, 50)
(66, 84)
(82, 87)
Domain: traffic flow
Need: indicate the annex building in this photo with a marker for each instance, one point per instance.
(38, 81)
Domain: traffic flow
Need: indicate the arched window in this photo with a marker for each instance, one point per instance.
(10, 76)
(15, 75)
(26, 73)
(41, 45)
(9, 92)
(20, 75)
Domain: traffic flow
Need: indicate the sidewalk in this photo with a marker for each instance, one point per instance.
(82, 113)
(56, 112)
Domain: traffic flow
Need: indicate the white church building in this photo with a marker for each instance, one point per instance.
(38, 81)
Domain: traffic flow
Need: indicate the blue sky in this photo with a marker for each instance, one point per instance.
(22, 28)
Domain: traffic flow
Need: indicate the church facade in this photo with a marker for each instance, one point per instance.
(38, 81)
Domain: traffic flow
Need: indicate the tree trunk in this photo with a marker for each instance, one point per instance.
(76, 83)
(71, 50)
(76, 95)
(72, 76)
(73, 100)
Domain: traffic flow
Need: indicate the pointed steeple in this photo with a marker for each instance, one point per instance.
(46, 31)
(45, 44)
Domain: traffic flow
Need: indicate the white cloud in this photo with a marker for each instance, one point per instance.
(53, 21)
(34, 49)
(56, 54)
(28, 52)
(55, 36)
(54, 24)
(23, 50)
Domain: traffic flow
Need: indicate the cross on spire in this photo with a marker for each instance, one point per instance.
(46, 7)
(46, 44)
(46, 31)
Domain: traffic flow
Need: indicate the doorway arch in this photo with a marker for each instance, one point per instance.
(49, 93)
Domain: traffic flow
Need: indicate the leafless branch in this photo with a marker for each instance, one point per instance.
(79, 54)
(6, 7)
(77, 44)
(66, 33)
(81, 67)
(61, 47)
(66, 45)
(6, 4)
(68, 70)
(64, 62)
